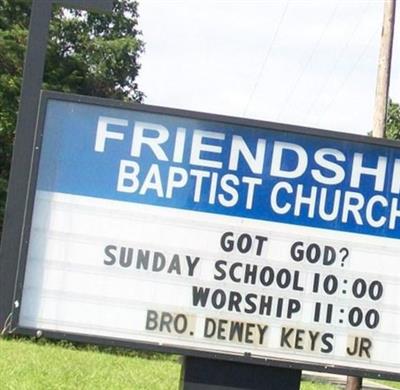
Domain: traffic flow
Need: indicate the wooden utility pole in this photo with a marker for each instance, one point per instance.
(381, 102)
(383, 78)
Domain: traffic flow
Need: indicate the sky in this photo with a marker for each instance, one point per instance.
(310, 63)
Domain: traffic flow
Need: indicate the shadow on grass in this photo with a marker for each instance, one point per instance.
(118, 351)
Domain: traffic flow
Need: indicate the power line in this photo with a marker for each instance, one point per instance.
(266, 58)
(338, 90)
(306, 63)
(336, 62)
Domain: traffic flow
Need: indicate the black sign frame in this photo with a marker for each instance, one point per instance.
(27, 202)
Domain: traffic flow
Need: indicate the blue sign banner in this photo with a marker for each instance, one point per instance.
(217, 167)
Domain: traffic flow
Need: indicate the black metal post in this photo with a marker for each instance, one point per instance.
(207, 374)
(14, 218)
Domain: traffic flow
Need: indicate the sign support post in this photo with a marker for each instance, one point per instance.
(207, 374)
(24, 139)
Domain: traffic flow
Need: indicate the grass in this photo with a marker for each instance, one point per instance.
(395, 385)
(28, 365)
(305, 385)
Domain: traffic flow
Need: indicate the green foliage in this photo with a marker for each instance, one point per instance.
(88, 53)
(95, 54)
(393, 121)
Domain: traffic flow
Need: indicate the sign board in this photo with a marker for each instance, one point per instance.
(211, 235)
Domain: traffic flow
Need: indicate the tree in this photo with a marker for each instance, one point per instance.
(87, 53)
(393, 121)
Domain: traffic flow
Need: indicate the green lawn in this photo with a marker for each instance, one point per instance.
(317, 386)
(27, 365)
(395, 385)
